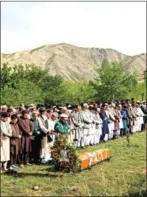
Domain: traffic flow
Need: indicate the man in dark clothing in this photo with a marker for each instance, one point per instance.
(15, 142)
(144, 110)
(36, 139)
(26, 128)
(105, 128)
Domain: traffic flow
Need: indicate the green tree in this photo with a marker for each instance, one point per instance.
(24, 92)
(112, 82)
(5, 76)
(78, 92)
(30, 83)
(139, 92)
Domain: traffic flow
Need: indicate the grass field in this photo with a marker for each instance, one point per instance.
(123, 175)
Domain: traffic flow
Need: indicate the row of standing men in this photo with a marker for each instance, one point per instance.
(28, 137)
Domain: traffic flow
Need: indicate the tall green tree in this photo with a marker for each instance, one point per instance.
(30, 83)
(112, 82)
(24, 92)
(78, 92)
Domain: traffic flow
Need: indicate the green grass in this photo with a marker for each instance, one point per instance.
(121, 176)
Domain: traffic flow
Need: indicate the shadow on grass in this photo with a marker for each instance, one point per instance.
(26, 174)
(37, 175)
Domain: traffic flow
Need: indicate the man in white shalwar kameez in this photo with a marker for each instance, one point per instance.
(140, 118)
(98, 126)
(5, 134)
(51, 124)
(112, 119)
(88, 120)
(78, 138)
(42, 120)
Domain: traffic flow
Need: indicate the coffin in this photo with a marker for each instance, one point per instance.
(88, 159)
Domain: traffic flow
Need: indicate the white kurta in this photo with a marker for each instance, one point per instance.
(5, 145)
(44, 143)
(87, 118)
(139, 120)
(98, 128)
(78, 129)
(51, 125)
(110, 126)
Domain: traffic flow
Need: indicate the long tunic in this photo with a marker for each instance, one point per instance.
(120, 121)
(112, 119)
(98, 122)
(15, 149)
(26, 127)
(124, 119)
(88, 126)
(130, 118)
(51, 125)
(78, 124)
(36, 126)
(87, 118)
(117, 119)
(43, 124)
(5, 134)
(105, 128)
(36, 142)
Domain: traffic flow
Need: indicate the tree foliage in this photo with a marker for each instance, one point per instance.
(29, 84)
(112, 82)
(78, 92)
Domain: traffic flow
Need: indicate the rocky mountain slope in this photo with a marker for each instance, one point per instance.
(72, 62)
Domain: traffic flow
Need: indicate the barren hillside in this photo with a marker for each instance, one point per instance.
(72, 62)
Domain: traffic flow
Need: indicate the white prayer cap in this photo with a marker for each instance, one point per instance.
(55, 114)
(85, 105)
(64, 116)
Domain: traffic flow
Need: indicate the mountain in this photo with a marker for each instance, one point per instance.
(74, 63)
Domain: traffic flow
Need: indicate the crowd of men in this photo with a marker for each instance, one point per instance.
(27, 133)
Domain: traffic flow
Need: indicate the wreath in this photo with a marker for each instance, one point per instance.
(64, 156)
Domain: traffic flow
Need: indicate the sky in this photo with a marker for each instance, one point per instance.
(117, 25)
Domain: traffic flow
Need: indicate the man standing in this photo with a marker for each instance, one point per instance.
(62, 127)
(88, 120)
(15, 142)
(78, 126)
(26, 128)
(105, 128)
(36, 139)
(5, 134)
(43, 124)
(124, 119)
(98, 126)
(50, 125)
